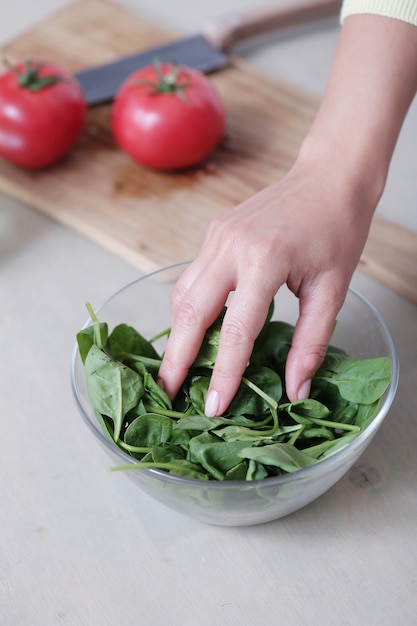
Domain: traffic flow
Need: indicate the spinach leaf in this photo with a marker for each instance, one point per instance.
(362, 381)
(207, 354)
(149, 430)
(218, 457)
(281, 455)
(113, 388)
(272, 346)
(86, 338)
(154, 396)
(125, 340)
(255, 471)
(248, 399)
(303, 411)
(197, 392)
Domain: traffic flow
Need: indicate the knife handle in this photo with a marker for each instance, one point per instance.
(225, 31)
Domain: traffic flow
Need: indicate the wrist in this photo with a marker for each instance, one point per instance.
(359, 175)
(371, 85)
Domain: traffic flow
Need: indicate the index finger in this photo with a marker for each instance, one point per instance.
(196, 301)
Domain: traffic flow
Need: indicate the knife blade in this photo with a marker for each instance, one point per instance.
(206, 52)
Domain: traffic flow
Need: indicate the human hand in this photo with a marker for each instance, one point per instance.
(306, 231)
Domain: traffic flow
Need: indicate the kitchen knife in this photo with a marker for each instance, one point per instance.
(206, 52)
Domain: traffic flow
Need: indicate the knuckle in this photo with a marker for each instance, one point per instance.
(234, 334)
(259, 253)
(215, 232)
(314, 358)
(261, 256)
(222, 376)
(225, 234)
(187, 315)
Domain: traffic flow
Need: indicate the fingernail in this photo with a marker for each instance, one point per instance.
(304, 390)
(212, 403)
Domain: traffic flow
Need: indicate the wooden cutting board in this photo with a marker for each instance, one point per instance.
(156, 219)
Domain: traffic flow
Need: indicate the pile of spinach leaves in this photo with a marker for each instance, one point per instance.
(262, 434)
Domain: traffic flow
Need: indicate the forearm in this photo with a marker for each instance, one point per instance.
(371, 85)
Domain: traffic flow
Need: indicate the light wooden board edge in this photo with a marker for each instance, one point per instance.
(390, 257)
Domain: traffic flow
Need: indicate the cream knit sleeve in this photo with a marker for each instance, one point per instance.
(405, 10)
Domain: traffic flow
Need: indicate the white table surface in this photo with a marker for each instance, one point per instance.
(81, 546)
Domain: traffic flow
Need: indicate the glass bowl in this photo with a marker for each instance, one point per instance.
(144, 304)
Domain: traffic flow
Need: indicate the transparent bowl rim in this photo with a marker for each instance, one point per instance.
(316, 468)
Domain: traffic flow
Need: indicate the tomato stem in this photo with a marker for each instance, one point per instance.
(29, 77)
(166, 82)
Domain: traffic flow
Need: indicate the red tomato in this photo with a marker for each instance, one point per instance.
(168, 117)
(42, 113)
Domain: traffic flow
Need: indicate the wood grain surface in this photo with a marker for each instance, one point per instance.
(155, 219)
